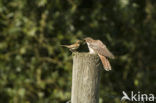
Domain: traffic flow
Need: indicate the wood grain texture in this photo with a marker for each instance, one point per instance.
(85, 78)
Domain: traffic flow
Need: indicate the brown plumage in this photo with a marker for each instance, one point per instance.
(73, 47)
(105, 62)
(96, 46)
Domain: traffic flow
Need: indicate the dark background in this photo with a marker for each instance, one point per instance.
(35, 69)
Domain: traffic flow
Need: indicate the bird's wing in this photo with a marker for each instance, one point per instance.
(71, 46)
(101, 49)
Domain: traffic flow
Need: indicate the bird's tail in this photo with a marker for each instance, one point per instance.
(105, 62)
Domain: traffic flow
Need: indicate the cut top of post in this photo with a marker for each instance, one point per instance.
(91, 57)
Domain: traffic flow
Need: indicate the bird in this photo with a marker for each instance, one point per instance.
(98, 47)
(73, 47)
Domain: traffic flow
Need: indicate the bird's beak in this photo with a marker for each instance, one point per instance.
(84, 41)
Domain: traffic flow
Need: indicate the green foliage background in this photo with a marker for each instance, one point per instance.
(35, 69)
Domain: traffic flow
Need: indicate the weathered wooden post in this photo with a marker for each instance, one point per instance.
(85, 78)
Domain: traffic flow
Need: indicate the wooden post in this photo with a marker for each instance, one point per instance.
(85, 78)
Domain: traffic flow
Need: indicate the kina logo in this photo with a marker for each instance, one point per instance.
(138, 97)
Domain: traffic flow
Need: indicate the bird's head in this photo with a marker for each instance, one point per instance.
(88, 40)
(78, 41)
